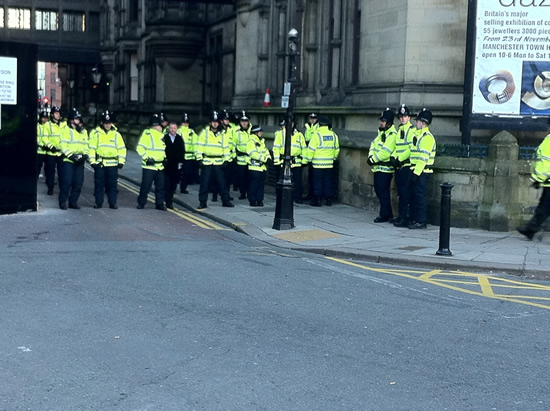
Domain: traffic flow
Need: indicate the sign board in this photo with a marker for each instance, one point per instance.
(8, 80)
(511, 58)
(284, 101)
(287, 88)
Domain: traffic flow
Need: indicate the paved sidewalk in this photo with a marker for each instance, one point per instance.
(349, 232)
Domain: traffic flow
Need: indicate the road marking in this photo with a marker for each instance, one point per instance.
(200, 222)
(471, 283)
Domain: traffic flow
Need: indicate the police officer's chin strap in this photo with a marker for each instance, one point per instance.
(388, 125)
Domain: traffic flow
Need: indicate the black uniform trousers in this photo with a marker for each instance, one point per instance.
(296, 183)
(147, 178)
(256, 183)
(171, 180)
(52, 162)
(542, 212)
(382, 184)
(402, 183)
(188, 172)
(418, 186)
(215, 173)
(72, 180)
(105, 181)
(322, 183)
(40, 161)
(241, 178)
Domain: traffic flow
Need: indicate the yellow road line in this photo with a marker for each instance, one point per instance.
(486, 283)
(202, 223)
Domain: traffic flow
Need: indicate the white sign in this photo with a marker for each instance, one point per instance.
(8, 80)
(287, 88)
(284, 101)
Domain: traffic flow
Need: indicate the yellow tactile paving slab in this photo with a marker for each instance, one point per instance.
(520, 292)
(306, 235)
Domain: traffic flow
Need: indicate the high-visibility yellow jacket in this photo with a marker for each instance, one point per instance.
(423, 150)
(212, 147)
(52, 137)
(229, 131)
(151, 147)
(381, 149)
(258, 153)
(298, 147)
(74, 142)
(240, 141)
(402, 150)
(310, 131)
(106, 148)
(190, 138)
(540, 168)
(323, 148)
(41, 143)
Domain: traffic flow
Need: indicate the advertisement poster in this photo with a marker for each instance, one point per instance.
(512, 58)
(8, 80)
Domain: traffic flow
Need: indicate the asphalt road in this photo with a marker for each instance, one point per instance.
(148, 310)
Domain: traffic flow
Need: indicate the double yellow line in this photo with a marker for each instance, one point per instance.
(198, 221)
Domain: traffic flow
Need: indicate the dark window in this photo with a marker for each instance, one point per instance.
(74, 21)
(93, 23)
(356, 51)
(132, 10)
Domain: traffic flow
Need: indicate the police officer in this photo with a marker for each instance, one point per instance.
(152, 151)
(74, 145)
(423, 149)
(240, 141)
(212, 153)
(41, 143)
(311, 127)
(52, 138)
(380, 152)
(298, 149)
(107, 153)
(401, 162)
(190, 163)
(540, 176)
(258, 156)
(323, 150)
(163, 122)
(175, 154)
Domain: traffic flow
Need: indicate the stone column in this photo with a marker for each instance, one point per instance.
(500, 210)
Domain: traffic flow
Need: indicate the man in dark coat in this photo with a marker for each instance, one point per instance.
(175, 153)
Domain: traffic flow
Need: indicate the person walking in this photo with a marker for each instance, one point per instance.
(107, 153)
(258, 156)
(423, 149)
(380, 152)
(175, 154)
(540, 177)
(74, 146)
(152, 150)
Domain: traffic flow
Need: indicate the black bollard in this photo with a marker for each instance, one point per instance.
(445, 220)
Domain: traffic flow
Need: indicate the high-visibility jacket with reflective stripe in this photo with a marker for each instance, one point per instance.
(41, 143)
(74, 142)
(381, 149)
(190, 139)
(402, 150)
(423, 150)
(106, 147)
(52, 137)
(323, 148)
(258, 153)
(228, 131)
(310, 131)
(298, 147)
(151, 146)
(240, 141)
(212, 147)
(540, 167)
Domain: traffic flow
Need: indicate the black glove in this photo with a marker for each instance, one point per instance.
(95, 166)
(150, 162)
(370, 162)
(76, 158)
(395, 162)
(536, 185)
(85, 157)
(120, 165)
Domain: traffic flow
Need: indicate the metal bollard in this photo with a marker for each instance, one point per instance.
(445, 220)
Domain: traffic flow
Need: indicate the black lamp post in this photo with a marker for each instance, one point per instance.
(96, 78)
(284, 207)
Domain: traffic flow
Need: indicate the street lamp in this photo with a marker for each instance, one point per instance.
(96, 78)
(284, 207)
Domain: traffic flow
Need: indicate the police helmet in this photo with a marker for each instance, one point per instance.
(107, 117)
(74, 114)
(154, 120)
(387, 116)
(282, 122)
(256, 129)
(43, 114)
(403, 111)
(185, 118)
(324, 121)
(55, 109)
(225, 115)
(215, 116)
(425, 115)
(243, 116)
(313, 115)
(163, 117)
